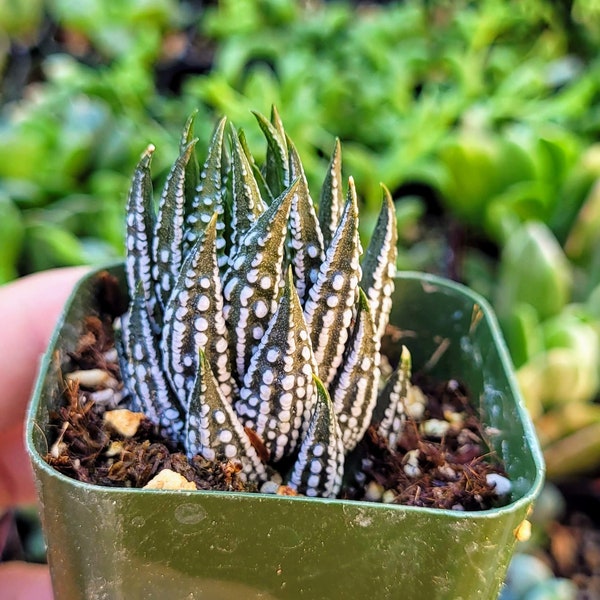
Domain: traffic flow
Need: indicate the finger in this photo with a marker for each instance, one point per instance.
(21, 581)
(29, 307)
(16, 475)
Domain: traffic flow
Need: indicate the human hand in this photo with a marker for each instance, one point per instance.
(29, 307)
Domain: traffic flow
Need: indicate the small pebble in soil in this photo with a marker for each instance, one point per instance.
(411, 463)
(123, 421)
(501, 484)
(435, 428)
(169, 480)
(93, 379)
(269, 487)
(374, 492)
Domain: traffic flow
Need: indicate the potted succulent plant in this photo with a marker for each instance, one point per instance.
(252, 340)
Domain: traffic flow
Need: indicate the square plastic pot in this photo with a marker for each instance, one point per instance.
(132, 543)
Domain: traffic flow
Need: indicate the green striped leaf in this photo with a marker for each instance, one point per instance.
(331, 203)
(319, 467)
(167, 243)
(247, 204)
(354, 389)
(330, 304)
(253, 280)
(391, 404)
(194, 321)
(277, 173)
(214, 431)
(265, 192)
(192, 169)
(276, 397)
(379, 265)
(140, 230)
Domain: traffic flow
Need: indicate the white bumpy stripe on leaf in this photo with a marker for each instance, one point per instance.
(253, 280)
(278, 391)
(330, 304)
(392, 400)
(209, 194)
(194, 321)
(379, 265)
(331, 203)
(319, 468)
(167, 243)
(354, 389)
(214, 431)
(140, 230)
(307, 249)
(145, 378)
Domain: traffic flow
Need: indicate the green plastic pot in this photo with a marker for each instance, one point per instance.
(132, 543)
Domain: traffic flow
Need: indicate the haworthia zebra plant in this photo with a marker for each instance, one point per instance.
(251, 316)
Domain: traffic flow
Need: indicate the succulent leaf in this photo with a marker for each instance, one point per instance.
(145, 378)
(277, 174)
(329, 307)
(194, 320)
(307, 249)
(276, 397)
(247, 204)
(254, 278)
(212, 428)
(265, 192)
(192, 169)
(140, 230)
(331, 203)
(121, 332)
(295, 167)
(319, 467)
(209, 193)
(167, 246)
(379, 265)
(354, 389)
(392, 401)
(277, 122)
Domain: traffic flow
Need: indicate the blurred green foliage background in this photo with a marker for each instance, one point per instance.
(483, 119)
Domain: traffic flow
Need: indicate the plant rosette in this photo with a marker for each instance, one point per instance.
(251, 341)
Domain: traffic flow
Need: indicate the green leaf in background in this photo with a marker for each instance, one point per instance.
(21, 18)
(533, 270)
(46, 245)
(584, 236)
(573, 359)
(11, 238)
(480, 165)
(523, 333)
(118, 27)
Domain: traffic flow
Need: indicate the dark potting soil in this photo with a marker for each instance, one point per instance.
(453, 469)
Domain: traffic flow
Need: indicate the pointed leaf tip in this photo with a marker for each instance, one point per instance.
(319, 468)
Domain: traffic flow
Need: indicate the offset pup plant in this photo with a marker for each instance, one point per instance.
(254, 340)
(255, 319)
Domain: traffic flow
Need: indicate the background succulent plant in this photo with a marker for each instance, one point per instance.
(251, 317)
